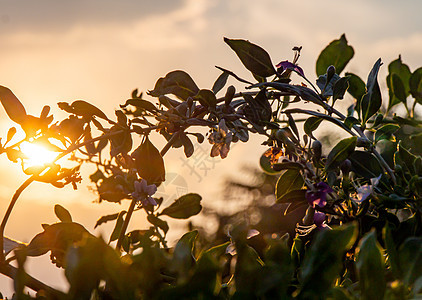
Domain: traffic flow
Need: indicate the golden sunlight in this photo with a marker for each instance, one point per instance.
(36, 154)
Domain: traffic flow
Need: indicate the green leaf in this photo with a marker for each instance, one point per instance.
(340, 152)
(13, 107)
(206, 98)
(290, 180)
(385, 132)
(149, 162)
(338, 53)
(220, 82)
(365, 164)
(178, 83)
(183, 259)
(62, 213)
(371, 101)
(410, 257)
(311, 124)
(415, 85)
(266, 165)
(340, 88)
(399, 86)
(154, 220)
(253, 57)
(370, 265)
(294, 196)
(357, 89)
(186, 206)
(324, 260)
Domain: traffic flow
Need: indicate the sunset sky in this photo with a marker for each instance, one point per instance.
(99, 51)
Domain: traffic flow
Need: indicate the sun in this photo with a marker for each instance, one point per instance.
(36, 154)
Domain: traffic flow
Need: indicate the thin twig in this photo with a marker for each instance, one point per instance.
(9, 211)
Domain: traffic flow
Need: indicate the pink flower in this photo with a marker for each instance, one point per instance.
(286, 65)
(318, 195)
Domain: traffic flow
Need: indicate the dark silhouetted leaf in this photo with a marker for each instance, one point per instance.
(84, 109)
(187, 145)
(62, 213)
(340, 88)
(107, 218)
(338, 53)
(340, 152)
(206, 98)
(118, 227)
(365, 164)
(149, 162)
(154, 220)
(140, 103)
(253, 57)
(220, 82)
(178, 83)
(13, 107)
(184, 207)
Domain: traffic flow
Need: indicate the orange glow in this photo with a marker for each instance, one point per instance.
(36, 154)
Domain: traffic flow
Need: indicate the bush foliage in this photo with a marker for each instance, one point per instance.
(360, 237)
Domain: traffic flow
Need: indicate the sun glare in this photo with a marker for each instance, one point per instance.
(37, 155)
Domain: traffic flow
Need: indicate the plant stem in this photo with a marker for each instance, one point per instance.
(133, 202)
(9, 211)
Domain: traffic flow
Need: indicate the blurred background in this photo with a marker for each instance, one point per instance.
(99, 51)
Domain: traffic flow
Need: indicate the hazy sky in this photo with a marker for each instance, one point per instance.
(100, 51)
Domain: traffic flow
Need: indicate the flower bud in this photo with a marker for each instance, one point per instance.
(331, 70)
(346, 166)
(228, 97)
(316, 149)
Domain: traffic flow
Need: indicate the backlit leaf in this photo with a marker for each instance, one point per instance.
(338, 53)
(415, 85)
(290, 180)
(253, 57)
(371, 101)
(149, 162)
(62, 213)
(13, 107)
(340, 152)
(184, 207)
(178, 83)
